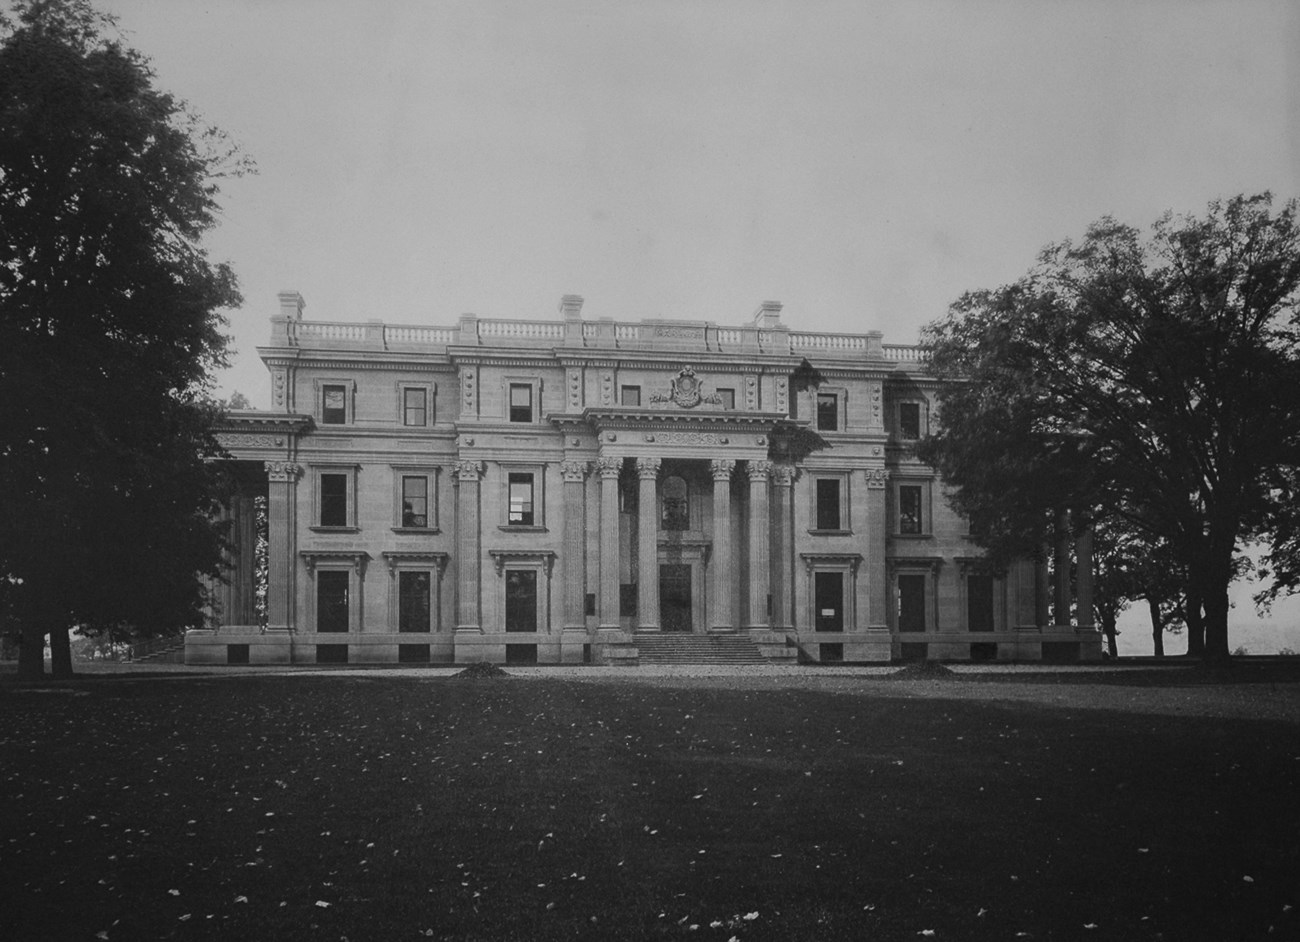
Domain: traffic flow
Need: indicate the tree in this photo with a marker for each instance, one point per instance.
(110, 326)
(1149, 381)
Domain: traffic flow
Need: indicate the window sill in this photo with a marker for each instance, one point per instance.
(831, 532)
(520, 528)
(416, 530)
(911, 536)
(319, 529)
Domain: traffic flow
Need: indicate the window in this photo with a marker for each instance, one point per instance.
(415, 407)
(334, 500)
(909, 420)
(521, 600)
(676, 510)
(332, 600)
(334, 405)
(415, 500)
(911, 603)
(728, 397)
(909, 509)
(828, 504)
(521, 402)
(979, 603)
(630, 395)
(521, 500)
(413, 595)
(828, 412)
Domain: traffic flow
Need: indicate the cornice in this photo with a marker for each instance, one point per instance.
(256, 420)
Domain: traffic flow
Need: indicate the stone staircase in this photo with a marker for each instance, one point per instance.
(160, 651)
(682, 648)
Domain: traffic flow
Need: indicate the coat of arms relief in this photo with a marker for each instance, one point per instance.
(687, 391)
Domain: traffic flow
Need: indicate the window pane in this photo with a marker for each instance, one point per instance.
(332, 600)
(521, 402)
(414, 407)
(909, 420)
(415, 501)
(333, 500)
(413, 592)
(911, 603)
(828, 504)
(335, 408)
(631, 396)
(521, 500)
(909, 509)
(828, 413)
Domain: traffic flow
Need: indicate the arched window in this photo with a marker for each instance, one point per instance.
(677, 509)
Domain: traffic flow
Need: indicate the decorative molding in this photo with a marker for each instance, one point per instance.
(575, 387)
(283, 471)
(278, 382)
(679, 333)
(469, 470)
(575, 472)
(609, 467)
(686, 391)
(396, 557)
(782, 394)
(751, 393)
(759, 471)
(876, 478)
(722, 468)
(358, 558)
(468, 391)
(930, 564)
(647, 469)
(226, 440)
(500, 557)
(812, 560)
(606, 387)
(783, 475)
(688, 438)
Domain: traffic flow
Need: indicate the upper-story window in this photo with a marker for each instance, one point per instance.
(630, 395)
(828, 412)
(415, 407)
(910, 501)
(521, 500)
(334, 405)
(677, 508)
(334, 500)
(521, 402)
(728, 397)
(909, 420)
(828, 504)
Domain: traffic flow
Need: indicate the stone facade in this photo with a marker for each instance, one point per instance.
(520, 491)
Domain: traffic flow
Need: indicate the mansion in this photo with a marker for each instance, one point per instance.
(563, 491)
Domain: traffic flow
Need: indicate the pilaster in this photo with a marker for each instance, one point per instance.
(609, 468)
(760, 537)
(782, 529)
(647, 530)
(721, 567)
(877, 535)
(469, 475)
(282, 543)
(575, 582)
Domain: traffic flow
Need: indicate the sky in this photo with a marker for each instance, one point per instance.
(864, 163)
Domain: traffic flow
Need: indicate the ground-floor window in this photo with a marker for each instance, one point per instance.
(828, 601)
(521, 600)
(332, 600)
(911, 603)
(979, 603)
(414, 590)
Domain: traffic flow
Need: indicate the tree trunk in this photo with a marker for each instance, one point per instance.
(1157, 628)
(1216, 626)
(60, 653)
(1195, 625)
(31, 653)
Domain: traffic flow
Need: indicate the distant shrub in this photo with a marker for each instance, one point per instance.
(1241, 651)
(1288, 652)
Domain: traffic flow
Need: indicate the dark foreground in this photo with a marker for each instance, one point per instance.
(388, 808)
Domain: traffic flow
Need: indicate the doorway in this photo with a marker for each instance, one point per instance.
(521, 600)
(675, 597)
(828, 599)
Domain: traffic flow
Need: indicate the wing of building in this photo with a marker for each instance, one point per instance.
(570, 491)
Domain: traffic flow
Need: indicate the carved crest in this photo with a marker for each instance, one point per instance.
(686, 391)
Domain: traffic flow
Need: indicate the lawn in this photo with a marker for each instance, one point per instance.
(366, 806)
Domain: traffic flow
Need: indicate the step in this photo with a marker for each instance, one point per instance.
(674, 648)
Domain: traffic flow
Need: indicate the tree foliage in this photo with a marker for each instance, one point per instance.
(110, 326)
(1151, 381)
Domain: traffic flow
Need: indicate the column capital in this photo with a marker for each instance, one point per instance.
(648, 468)
(574, 471)
(283, 470)
(468, 470)
(759, 470)
(609, 467)
(876, 477)
(722, 468)
(783, 475)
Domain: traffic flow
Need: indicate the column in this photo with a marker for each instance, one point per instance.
(782, 528)
(247, 560)
(281, 539)
(876, 542)
(1061, 569)
(760, 537)
(647, 545)
(609, 469)
(575, 582)
(1042, 587)
(468, 477)
(722, 572)
(1083, 562)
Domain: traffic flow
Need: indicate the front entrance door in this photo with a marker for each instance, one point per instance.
(828, 597)
(675, 596)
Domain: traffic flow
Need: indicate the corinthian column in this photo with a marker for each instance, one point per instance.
(782, 528)
(609, 469)
(760, 538)
(468, 476)
(281, 543)
(647, 545)
(575, 472)
(722, 574)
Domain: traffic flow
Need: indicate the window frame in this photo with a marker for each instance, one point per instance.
(623, 392)
(534, 386)
(928, 569)
(430, 597)
(430, 476)
(538, 472)
(429, 390)
(843, 479)
(900, 426)
(349, 388)
(819, 413)
(349, 472)
(728, 396)
(925, 526)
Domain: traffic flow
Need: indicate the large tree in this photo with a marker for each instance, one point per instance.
(110, 326)
(1150, 380)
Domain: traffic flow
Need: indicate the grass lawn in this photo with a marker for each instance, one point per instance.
(365, 806)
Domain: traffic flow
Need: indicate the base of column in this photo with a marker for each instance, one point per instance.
(722, 630)
(654, 628)
(473, 629)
